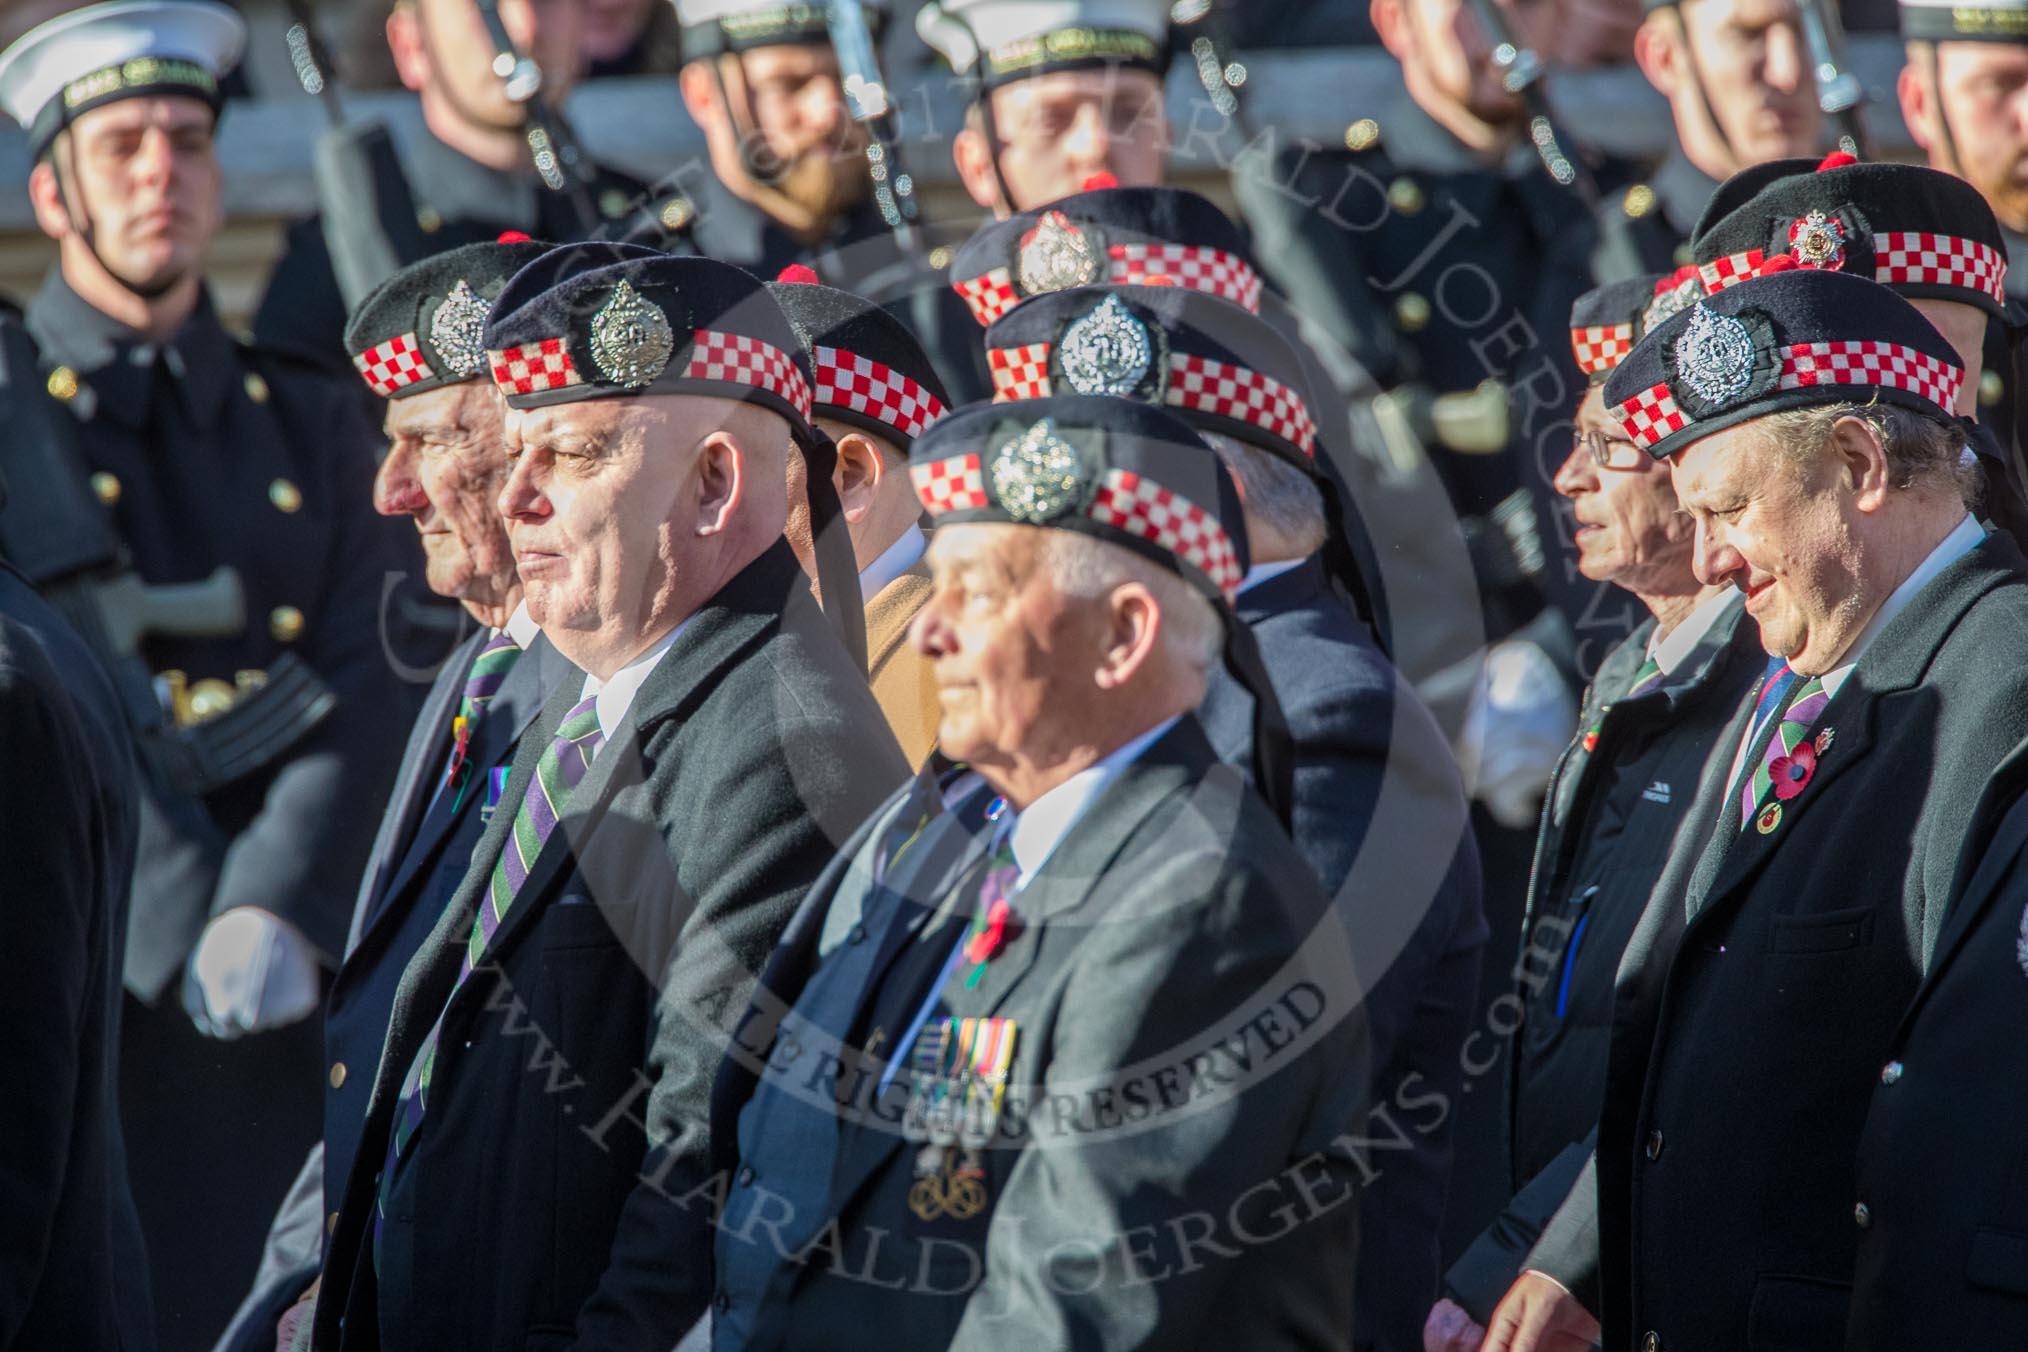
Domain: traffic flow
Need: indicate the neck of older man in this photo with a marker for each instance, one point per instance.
(496, 608)
(1083, 737)
(1671, 608)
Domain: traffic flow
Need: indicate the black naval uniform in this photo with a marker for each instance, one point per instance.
(208, 453)
(1645, 227)
(1431, 269)
(458, 201)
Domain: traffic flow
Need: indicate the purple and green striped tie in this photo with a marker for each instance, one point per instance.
(1794, 726)
(559, 771)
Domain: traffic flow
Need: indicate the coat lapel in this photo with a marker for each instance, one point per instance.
(421, 759)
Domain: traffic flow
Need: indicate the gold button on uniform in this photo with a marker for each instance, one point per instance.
(285, 623)
(1639, 201)
(1411, 313)
(1362, 134)
(285, 496)
(612, 202)
(676, 213)
(430, 219)
(62, 384)
(1992, 388)
(256, 388)
(1405, 196)
(106, 487)
(337, 1074)
(209, 698)
(940, 257)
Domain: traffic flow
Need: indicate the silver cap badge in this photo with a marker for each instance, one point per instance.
(456, 331)
(1057, 256)
(1714, 357)
(631, 339)
(1108, 351)
(1035, 475)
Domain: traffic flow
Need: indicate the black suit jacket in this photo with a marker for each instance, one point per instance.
(542, 1200)
(1172, 915)
(1943, 1162)
(419, 857)
(1747, 1044)
(1381, 819)
(74, 1273)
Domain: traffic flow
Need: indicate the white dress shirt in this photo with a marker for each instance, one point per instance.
(616, 696)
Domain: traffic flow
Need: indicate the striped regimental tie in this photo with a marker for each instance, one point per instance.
(489, 671)
(1796, 720)
(562, 767)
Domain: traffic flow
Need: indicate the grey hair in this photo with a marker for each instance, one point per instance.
(1282, 497)
(1088, 568)
(1923, 451)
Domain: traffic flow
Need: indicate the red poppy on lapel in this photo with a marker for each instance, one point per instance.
(1791, 773)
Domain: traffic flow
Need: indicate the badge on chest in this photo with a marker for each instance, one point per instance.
(955, 1095)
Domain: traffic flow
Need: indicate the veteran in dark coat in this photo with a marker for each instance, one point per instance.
(277, 716)
(975, 1102)
(1943, 1258)
(416, 341)
(1724, 1207)
(661, 819)
(76, 1273)
(1379, 811)
(1621, 795)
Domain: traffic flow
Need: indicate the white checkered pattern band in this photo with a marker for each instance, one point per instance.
(1019, 372)
(847, 380)
(1195, 269)
(1601, 347)
(394, 365)
(1939, 260)
(988, 297)
(1730, 270)
(1649, 416)
(1870, 365)
(1145, 508)
(1238, 392)
(533, 368)
(739, 360)
(953, 485)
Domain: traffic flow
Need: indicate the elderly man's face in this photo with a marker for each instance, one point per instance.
(1628, 529)
(444, 467)
(1013, 658)
(597, 509)
(1782, 531)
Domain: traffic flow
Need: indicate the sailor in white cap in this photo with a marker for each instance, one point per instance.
(1066, 90)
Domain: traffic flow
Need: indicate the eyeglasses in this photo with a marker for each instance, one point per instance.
(1611, 452)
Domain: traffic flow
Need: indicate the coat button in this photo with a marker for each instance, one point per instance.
(106, 488)
(857, 934)
(1362, 135)
(62, 384)
(285, 496)
(746, 1176)
(337, 1074)
(1862, 1215)
(1655, 1144)
(1411, 313)
(1405, 195)
(256, 388)
(1992, 388)
(1651, 1341)
(1891, 1072)
(285, 623)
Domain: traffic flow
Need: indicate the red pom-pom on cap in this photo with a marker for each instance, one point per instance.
(514, 237)
(1775, 263)
(798, 273)
(1837, 159)
(1101, 179)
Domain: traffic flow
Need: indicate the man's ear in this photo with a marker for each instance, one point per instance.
(858, 475)
(1658, 51)
(973, 156)
(1862, 462)
(1390, 21)
(46, 195)
(1134, 626)
(1912, 90)
(405, 43)
(700, 92)
(721, 470)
